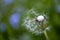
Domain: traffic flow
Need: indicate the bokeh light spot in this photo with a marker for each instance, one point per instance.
(14, 19)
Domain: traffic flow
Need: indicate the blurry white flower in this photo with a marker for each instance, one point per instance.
(31, 24)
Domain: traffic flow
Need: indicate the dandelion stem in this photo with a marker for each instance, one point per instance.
(43, 28)
(45, 33)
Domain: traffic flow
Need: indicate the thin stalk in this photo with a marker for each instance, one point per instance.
(45, 33)
(43, 26)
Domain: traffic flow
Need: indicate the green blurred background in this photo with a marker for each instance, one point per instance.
(13, 12)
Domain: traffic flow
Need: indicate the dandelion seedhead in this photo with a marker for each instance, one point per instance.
(30, 21)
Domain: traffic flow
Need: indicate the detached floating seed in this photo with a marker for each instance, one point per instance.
(40, 18)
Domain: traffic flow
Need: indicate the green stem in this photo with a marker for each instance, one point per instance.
(43, 26)
(45, 33)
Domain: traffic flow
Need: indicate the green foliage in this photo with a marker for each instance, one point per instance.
(41, 7)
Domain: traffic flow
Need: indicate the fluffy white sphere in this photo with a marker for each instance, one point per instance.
(40, 18)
